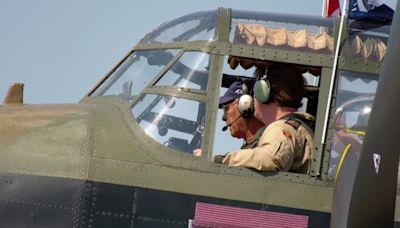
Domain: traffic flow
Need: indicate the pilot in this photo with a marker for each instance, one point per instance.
(287, 141)
(239, 120)
(239, 117)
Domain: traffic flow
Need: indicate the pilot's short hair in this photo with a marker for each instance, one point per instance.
(287, 84)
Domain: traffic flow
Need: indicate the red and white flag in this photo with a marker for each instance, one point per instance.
(331, 8)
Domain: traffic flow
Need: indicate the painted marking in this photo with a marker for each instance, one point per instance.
(377, 162)
(211, 215)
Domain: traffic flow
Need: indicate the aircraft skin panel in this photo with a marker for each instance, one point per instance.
(61, 140)
(33, 201)
(213, 184)
(63, 202)
(30, 139)
(113, 137)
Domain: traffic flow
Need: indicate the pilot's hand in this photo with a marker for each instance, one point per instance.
(218, 158)
(197, 152)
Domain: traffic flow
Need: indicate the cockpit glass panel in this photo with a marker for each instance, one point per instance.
(135, 73)
(197, 26)
(190, 71)
(290, 32)
(355, 95)
(367, 44)
(175, 122)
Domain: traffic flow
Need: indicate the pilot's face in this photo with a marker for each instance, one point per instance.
(232, 118)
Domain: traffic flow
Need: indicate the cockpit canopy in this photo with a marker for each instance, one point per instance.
(193, 27)
(172, 78)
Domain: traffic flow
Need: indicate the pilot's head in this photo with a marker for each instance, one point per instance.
(281, 84)
(229, 104)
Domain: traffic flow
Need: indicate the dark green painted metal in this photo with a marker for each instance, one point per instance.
(360, 65)
(326, 156)
(214, 85)
(281, 55)
(330, 131)
(274, 54)
(223, 24)
(322, 103)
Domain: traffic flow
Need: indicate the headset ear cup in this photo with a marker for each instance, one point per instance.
(262, 91)
(245, 105)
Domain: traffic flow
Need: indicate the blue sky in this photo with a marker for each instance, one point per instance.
(60, 49)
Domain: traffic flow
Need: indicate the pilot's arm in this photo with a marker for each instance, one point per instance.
(274, 151)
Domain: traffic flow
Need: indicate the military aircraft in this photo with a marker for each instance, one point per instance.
(122, 156)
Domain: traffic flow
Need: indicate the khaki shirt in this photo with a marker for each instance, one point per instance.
(254, 141)
(282, 146)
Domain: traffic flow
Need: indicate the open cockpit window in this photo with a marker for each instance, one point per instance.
(193, 27)
(190, 71)
(227, 138)
(224, 142)
(135, 73)
(355, 95)
(287, 31)
(174, 122)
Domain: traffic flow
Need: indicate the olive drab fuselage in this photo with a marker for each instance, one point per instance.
(122, 156)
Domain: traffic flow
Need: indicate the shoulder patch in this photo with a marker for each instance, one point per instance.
(287, 134)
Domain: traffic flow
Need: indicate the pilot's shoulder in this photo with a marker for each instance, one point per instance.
(278, 131)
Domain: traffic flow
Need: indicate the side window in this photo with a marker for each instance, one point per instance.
(355, 95)
(190, 71)
(135, 73)
(231, 138)
(224, 140)
(174, 122)
(283, 35)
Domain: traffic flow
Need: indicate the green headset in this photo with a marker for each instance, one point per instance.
(262, 90)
